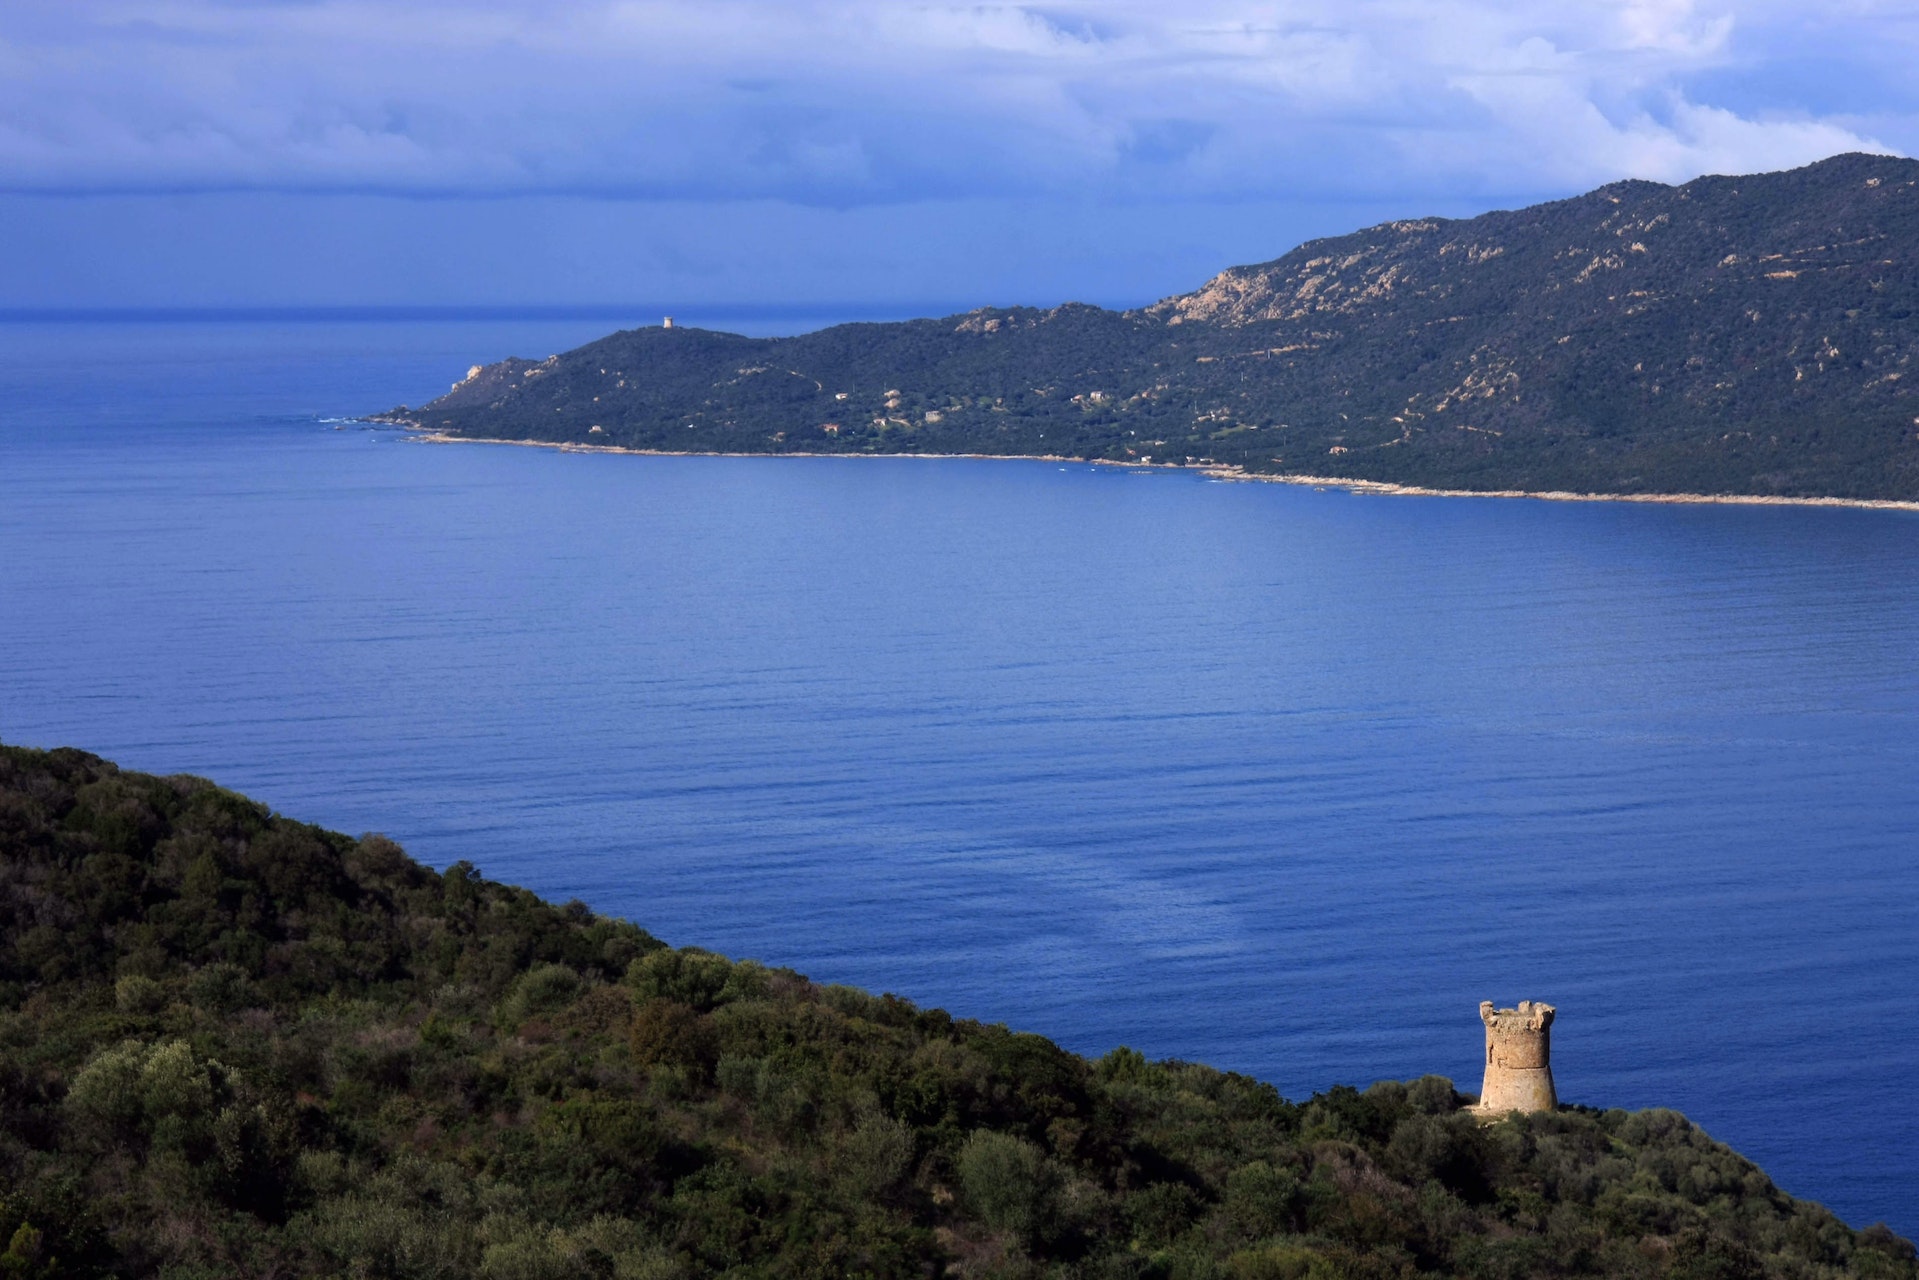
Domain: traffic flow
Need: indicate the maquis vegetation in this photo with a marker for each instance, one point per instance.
(232, 1044)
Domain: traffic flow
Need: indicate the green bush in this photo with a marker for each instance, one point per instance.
(667, 1033)
(221, 988)
(1005, 1180)
(1260, 1200)
(1282, 1262)
(874, 1159)
(1160, 1212)
(697, 979)
(138, 994)
(106, 1092)
(25, 1257)
(543, 990)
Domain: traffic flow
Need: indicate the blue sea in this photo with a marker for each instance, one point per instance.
(1280, 779)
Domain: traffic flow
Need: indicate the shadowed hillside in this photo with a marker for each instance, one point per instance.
(1751, 335)
(235, 1045)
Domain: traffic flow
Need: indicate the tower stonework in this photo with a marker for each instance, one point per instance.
(1519, 1073)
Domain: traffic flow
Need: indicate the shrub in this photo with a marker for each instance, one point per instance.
(24, 1255)
(1442, 1147)
(221, 988)
(1260, 1200)
(544, 989)
(132, 1084)
(173, 1082)
(106, 1093)
(138, 994)
(1432, 1096)
(695, 978)
(875, 1157)
(253, 1151)
(1281, 1262)
(1004, 1180)
(1129, 1066)
(1883, 1240)
(667, 1033)
(376, 1236)
(1160, 1212)
(604, 1247)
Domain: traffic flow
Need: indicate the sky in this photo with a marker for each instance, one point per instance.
(869, 156)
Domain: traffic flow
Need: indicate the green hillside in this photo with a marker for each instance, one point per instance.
(1751, 335)
(235, 1045)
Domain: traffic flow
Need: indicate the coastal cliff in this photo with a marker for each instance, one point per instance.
(235, 1044)
(1732, 336)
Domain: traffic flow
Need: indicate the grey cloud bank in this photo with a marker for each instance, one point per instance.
(989, 131)
(874, 100)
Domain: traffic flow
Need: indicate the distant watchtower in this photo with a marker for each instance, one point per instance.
(668, 324)
(1519, 1073)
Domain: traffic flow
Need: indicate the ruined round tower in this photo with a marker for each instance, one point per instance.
(1519, 1073)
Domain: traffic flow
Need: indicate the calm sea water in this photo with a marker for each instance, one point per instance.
(1282, 780)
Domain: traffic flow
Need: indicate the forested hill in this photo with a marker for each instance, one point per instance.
(1751, 335)
(235, 1045)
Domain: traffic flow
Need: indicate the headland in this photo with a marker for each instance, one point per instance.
(1751, 338)
(233, 1043)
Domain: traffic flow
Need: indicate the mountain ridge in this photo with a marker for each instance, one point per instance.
(1749, 335)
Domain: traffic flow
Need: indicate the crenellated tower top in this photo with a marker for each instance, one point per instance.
(1519, 1074)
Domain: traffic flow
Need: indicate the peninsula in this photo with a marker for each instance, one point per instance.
(235, 1044)
(1734, 336)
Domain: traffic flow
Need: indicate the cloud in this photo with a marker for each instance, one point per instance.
(843, 103)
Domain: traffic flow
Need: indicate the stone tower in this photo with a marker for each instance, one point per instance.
(1519, 1073)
